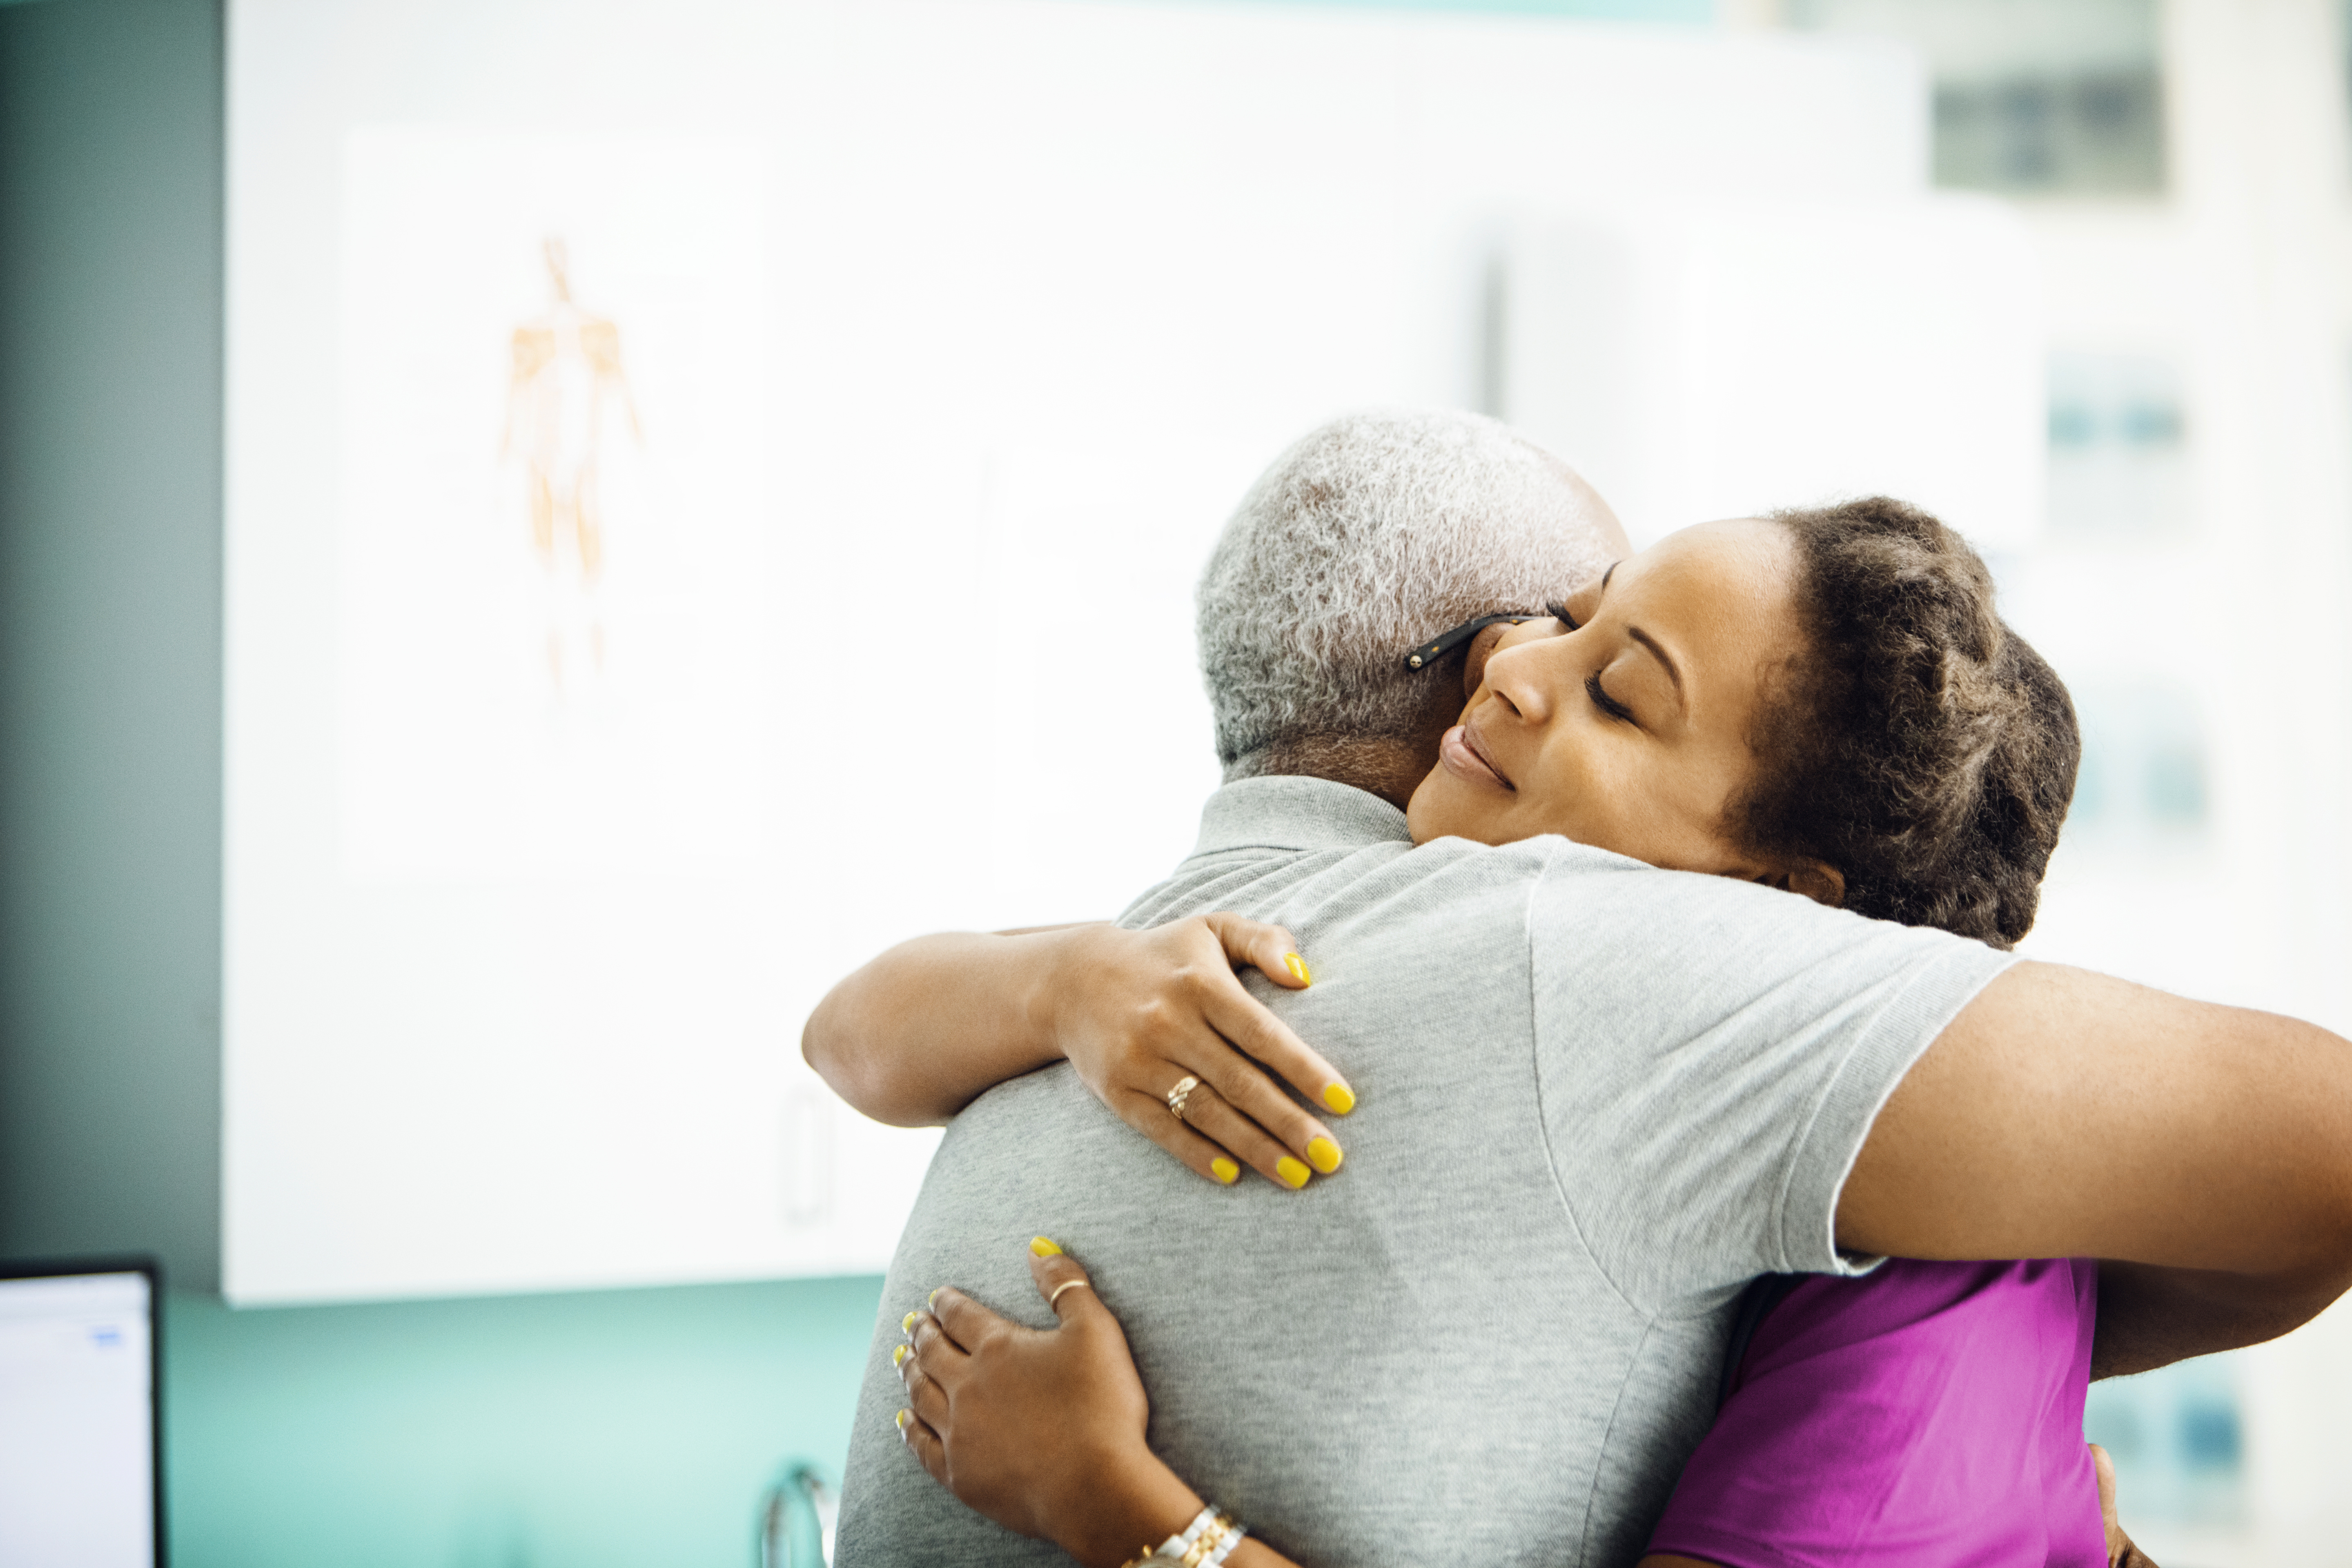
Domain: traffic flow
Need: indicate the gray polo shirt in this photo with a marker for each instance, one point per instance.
(1594, 1099)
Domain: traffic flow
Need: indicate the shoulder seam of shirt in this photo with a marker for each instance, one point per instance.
(1793, 1150)
(1543, 1121)
(1254, 847)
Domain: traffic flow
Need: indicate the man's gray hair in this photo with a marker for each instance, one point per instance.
(1375, 532)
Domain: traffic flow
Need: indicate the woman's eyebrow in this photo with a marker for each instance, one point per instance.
(1647, 641)
(1606, 576)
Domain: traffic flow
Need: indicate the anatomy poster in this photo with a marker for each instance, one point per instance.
(554, 524)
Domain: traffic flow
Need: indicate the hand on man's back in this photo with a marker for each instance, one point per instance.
(1141, 1014)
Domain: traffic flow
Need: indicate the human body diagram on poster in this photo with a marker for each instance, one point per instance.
(566, 371)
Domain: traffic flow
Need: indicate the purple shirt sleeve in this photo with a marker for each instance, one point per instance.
(1926, 1413)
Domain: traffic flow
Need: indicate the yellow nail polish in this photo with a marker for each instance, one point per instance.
(898, 1357)
(932, 1300)
(1297, 967)
(907, 1324)
(1290, 1170)
(1224, 1170)
(1339, 1097)
(1324, 1154)
(902, 1419)
(1042, 1247)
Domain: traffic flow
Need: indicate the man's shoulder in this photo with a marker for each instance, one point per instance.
(1711, 923)
(1578, 902)
(1446, 879)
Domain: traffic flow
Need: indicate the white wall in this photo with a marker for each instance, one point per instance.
(1722, 358)
(955, 331)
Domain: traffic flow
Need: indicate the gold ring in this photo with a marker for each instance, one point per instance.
(1178, 1095)
(1065, 1285)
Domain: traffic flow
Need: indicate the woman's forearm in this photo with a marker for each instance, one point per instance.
(916, 1034)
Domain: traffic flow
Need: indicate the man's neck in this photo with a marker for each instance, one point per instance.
(1386, 766)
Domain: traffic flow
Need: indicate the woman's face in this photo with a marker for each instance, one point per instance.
(1625, 725)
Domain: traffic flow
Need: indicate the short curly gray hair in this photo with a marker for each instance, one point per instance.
(1374, 532)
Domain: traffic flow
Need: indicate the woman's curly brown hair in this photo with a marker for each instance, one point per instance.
(1918, 745)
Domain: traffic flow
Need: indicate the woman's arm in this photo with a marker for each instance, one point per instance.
(913, 1037)
(2066, 1114)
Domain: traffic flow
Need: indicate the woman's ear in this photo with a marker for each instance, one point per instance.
(1816, 879)
(1823, 883)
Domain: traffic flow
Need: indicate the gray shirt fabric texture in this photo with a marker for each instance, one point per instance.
(1594, 1099)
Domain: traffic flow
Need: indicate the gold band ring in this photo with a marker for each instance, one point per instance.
(1065, 1285)
(1178, 1095)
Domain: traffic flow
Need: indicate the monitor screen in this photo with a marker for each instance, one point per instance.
(77, 1436)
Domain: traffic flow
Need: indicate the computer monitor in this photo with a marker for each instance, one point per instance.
(81, 1434)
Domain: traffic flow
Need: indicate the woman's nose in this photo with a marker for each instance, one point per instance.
(1514, 677)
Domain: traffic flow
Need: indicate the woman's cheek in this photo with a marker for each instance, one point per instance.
(1574, 805)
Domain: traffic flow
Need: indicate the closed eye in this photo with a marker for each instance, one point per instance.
(1606, 704)
(1559, 612)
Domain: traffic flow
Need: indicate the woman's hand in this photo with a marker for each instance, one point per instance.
(1137, 1011)
(914, 1036)
(1040, 1431)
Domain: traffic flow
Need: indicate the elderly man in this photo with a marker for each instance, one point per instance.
(1498, 1336)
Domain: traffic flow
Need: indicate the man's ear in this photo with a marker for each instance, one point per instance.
(1822, 882)
(1474, 662)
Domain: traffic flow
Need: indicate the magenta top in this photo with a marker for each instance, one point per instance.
(1928, 1413)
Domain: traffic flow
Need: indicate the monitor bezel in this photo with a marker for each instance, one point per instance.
(124, 1263)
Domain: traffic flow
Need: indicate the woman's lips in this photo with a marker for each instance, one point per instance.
(1461, 755)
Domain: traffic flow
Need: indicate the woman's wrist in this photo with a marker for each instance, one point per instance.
(1065, 961)
(1131, 1505)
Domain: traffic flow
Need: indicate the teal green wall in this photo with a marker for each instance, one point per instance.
(609, 1428)
(622, 1427)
